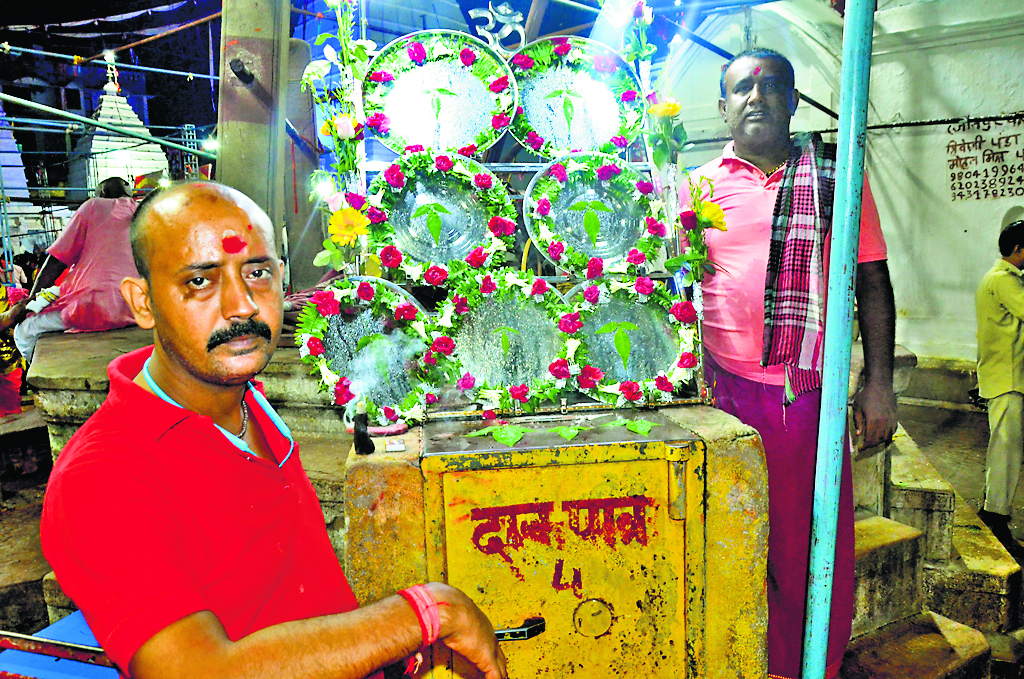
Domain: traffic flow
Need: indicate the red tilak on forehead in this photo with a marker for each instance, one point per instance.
(249, 226)
(232, 244)
(757, 70)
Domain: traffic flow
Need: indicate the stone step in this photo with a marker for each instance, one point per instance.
(924, 646)
(887, 574)
(22, 567)
(920, 497)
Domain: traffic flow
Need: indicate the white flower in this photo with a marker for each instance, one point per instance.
(441, 50)
(560, 383)
(496, 245)
(612, 389)
(375, 99)
(621, 267)
(461, 170)
(489, 398)
(329, 377)
(574, 165)
(335, 201)
(340, 295)
(571, 345)
(504, 101)
(657, 207)
(445, 320)
(680, 375)
(412, 270)
(303, 348)
(632, 117)
(545, 232)
(414, 414)
(370, 45)
(376, 199)
(420, 328)
(615, 284)
(512, 279)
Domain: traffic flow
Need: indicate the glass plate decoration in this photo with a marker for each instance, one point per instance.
(629, 341)
(438, 208)
(439, 89)
(575, 95)
(361, 336)
(592, 212)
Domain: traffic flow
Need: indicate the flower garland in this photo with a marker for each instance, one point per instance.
(603, 65)
(416, 165)
(461, 51)
(573, 362)
(547, 186)
(345, 390)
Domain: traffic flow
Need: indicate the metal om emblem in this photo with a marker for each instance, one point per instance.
(510, 20)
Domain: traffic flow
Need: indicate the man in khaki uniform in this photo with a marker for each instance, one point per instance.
(1000, 307)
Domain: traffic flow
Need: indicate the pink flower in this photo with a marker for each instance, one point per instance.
(628, 95)
(654, 227)
(630, 390)
(413, 148)
(557, 171)
(443, 345)
(416, 52)
(467, 56)
(555, 250)
(483, 180)
(606, 172)
(519, 392)
(342, 393)
(406, 312)
(314, 346)
(644, 285)
(489, 414)
(429, 358)
(391, 257)
(570, 323)
(477, 258)
(595, 267)
(468, 150)
(604, 64)
(519, 110)
(540, 286)
(522, 61)
(589, 377)
(379, 122)
(487, 285)
(543, 206)
(390, 413)
(636, 257)
(499, 84)
(638, 9)
(365, 291)
(592, 294)
(376, 215)
(620, 141)
(687, 360)
(644, 187)
(688, 220)
(465, 382)
(394, 176)
(534, 140)
(500, 120)
(443, 163)
(431, 398)
(559, 369)
(661, 382)
(435, 275)
(500, 226)
(684, 312)
(461, 304)
(326, 304)
(380, 77)
(562, 49)
(354, 200)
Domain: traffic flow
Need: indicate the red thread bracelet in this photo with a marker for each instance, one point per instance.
(424, 605)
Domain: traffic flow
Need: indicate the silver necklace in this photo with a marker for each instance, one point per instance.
(245, 420)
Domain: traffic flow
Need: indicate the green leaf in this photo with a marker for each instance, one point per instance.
(434, 226)
(436, 101)
(510, 434)
(599, 206)
(568, 433)
(641, 426)
(555, 93)
(363, 341)
(504, 342)
(621, 422)
(322, 38)
(567, 109)
(622, 345)
(610, 326)
(483, 432)
(441, 208)
(675, 262)
(317, 68)
(322, 258)
(422, 210)
(660, 155)
(580, 206)
(592, 225)
(626, 325)
(447, 93)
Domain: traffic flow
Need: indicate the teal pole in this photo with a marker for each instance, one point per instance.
(853, 105)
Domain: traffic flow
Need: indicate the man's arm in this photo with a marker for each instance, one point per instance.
(874, 406)
(50, 272)
(343, 646)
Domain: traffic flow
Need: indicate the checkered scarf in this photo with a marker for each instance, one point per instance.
(794, 311)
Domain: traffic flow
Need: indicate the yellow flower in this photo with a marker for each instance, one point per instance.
(346, 225)
(712, 212)
(666, 109)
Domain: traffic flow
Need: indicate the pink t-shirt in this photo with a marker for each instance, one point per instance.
(95, 245)
(734, 297)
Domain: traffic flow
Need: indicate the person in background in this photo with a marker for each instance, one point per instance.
(95, 245)
(1000, 306)
(12, 305)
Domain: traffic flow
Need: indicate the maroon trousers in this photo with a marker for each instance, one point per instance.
(790, 436)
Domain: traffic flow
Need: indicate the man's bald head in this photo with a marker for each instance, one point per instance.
(179, 197)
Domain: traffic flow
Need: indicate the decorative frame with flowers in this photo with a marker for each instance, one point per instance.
(462, 51)
(546, 187)
(390, 185)
(603, 64)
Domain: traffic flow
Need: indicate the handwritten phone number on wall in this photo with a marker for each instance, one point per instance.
(992, 182)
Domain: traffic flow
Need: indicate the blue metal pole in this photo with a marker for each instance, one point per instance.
(853, 104)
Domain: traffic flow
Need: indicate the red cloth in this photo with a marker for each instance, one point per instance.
(10, 392)
(95, 243)
(734, 298)
(152, 515)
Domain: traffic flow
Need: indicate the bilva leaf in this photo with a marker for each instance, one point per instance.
(363, 341)
(641, 426)
(599, 206)
(422, 210)
(509, 434)
(555, 93)
(610, 326)
(434, 226)
(436, 101)
(622, 345)
(592, 225)
(567, 109)
(626, 325)
(447, 93)
(483, 432)
(441, 208)
(580, 206)
(621, 422)
(504, 337)
(567, 433)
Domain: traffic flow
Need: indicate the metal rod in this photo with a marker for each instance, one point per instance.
(56, 649)
(113, 128)
(318, 15)
(151, 38)
(853, 103)
(130, 67)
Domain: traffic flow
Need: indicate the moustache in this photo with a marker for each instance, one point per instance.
(236, 330)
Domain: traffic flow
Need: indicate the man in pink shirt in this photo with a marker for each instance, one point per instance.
(95, 245)
(774, 257)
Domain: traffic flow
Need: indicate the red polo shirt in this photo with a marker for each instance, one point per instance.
(152, 515)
